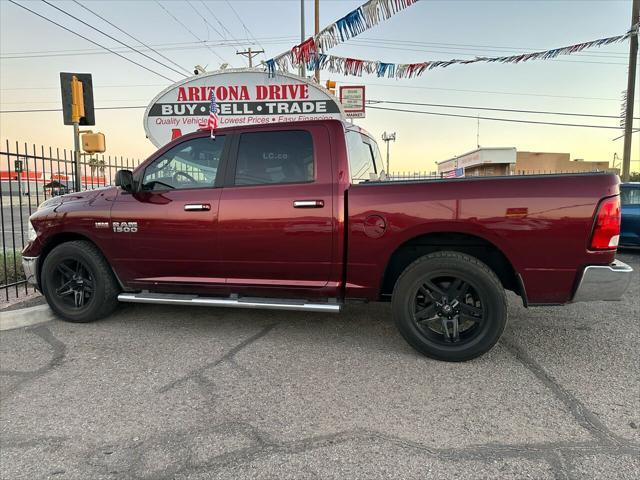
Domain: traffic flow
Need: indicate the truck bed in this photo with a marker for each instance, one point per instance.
(541, 223)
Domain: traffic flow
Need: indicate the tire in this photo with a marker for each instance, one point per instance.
(78, 283)
(449, 306)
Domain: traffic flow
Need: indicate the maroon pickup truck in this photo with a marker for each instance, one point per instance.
(299, 216)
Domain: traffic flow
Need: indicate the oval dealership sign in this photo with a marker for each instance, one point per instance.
(244, 97)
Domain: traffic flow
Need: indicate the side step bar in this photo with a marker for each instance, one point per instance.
(231, 302)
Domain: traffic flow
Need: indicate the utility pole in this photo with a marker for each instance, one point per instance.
(633, 59)
(303, 70)
(249, 53)
(316, 31)
(388, 138)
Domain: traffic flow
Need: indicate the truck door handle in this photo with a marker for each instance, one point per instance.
(197, 207)
(308, 203)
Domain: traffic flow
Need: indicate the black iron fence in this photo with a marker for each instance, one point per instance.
(404, 176)
(29, 175)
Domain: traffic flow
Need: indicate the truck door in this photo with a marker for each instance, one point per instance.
(276, 221)
(166, 232)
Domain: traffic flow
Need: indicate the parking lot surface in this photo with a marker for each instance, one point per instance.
(162, 392)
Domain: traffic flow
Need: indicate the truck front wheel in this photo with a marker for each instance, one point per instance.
(78, 283)
(450, 306)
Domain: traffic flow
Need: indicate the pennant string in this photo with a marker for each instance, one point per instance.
(311, 51)
(366, 16)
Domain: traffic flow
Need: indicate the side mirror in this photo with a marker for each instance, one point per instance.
(124, 180)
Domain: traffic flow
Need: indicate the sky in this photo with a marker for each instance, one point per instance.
(33, 52)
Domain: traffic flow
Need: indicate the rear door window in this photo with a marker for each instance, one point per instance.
(266, 158)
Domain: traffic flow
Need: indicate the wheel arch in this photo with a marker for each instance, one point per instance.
(65, 237)
(449, 240)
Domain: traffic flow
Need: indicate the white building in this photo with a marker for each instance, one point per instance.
(482, 161)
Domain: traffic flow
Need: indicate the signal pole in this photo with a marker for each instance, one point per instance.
(628, 126)
(250, 54)
(388, 138)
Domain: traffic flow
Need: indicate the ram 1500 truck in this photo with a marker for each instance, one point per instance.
(299, 216)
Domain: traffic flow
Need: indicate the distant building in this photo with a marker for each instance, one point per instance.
(508, 161)
(546, 162)
(481, 162)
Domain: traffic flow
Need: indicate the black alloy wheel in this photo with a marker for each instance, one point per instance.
(448, 309)
(449, 306)
(78, 283)
(75, 284)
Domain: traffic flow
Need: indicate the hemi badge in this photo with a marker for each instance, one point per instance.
(102, 224)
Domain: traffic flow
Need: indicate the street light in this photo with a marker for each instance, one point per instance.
(388, 138)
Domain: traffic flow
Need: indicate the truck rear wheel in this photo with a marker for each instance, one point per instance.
(450, 306)
(78, 283)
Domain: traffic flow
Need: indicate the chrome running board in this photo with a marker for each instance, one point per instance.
(229, 302)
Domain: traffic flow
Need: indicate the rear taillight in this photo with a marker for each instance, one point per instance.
(606, 230)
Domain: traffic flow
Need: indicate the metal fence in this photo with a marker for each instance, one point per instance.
(29, 175)
(404, 176)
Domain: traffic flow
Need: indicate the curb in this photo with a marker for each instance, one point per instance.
(25, 316)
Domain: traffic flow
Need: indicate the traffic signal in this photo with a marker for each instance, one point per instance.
(331, 86)
(77, 98)
(93, 142)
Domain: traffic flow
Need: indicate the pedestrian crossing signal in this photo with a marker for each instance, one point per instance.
(331, 86)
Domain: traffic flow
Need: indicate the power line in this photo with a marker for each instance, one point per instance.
(111, 37)
(134, 38)
(187, 29)
(39, 110)
(222, 25)
(277, 39)
(191, 46)
(95, 86)
(362, 43)
(246, 29)
(358, 83)
(372, 107)
(89, 40)
(474, 117)
(391, 85)
(205, 20)
(468, 46)
(495, 109)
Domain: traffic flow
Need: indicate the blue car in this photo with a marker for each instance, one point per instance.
(630, 199)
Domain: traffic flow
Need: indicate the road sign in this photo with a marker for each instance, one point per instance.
(352, 99)
(87, 117)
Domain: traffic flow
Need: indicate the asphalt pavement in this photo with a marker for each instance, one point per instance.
(161, 392)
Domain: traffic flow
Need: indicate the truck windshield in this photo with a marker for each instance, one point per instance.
(630, 195)
(362, 157)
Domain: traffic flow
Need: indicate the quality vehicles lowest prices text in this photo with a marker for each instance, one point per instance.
(298, 216)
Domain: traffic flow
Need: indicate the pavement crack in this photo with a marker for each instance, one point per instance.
(197, 374)
(579, 411)
(59, 350)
